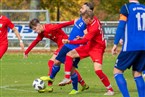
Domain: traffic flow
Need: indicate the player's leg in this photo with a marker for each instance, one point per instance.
(74, 78)
(68, 66)
(138, 67)
(98, 69)
(75, 53)
(70, 61)
(59, 59)
(54, 67)
(124, 61)
(80, 79)
(140, 84)
(3, 49)
(49, 87)
(82, 82)
(104, 79)
(121, 82)
(67, 80)
(50, 65)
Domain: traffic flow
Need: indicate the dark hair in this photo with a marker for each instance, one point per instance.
(33, 22)
(88, 14)
(90, 5)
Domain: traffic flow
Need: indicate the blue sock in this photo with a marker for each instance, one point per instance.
(74, 78)
(122, 85)
(55, 69)
(140, 86)
(143, 72)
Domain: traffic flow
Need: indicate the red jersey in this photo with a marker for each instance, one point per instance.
(94, 37)
(53, 32)
(95, 34)
(4, 24)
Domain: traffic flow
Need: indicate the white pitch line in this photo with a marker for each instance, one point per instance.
(11, 87)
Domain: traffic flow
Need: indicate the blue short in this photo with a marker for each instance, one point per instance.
(62, 55)
(134, 59)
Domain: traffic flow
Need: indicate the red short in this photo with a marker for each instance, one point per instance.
(3, 49)
(96, 54)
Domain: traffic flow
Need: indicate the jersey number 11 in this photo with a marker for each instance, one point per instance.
(140, 21)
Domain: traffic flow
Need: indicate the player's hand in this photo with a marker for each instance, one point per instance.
(78, 37)
(121, 41)
(85, 31)
(65, 41)
(114, 50)
(22, 46)
(25, 55)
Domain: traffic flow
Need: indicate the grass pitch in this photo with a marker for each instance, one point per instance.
(17, 75)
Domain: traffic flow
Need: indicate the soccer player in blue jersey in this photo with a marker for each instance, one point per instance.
(78, 30)
(132, 26)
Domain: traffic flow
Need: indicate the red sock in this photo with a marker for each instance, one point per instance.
(68, 66)
(104, 79)
(50, 65)
(80, 80)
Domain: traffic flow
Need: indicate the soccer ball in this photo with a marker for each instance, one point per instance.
(38, 84)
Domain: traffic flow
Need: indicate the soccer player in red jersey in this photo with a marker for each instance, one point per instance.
(94, 46)
(50, 31)
(6, 23)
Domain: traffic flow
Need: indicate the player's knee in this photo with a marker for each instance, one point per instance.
(70, 53)
(137, 74)
(116, 71)
(56, 62)
(97, 66)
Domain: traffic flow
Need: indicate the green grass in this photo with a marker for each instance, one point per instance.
(17, 75)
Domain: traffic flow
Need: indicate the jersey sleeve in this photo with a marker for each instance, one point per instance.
(34, 43)
(82, 41)
(91, 33)
(122, 23)
(61, 25)
(10, 24)
(124, 10)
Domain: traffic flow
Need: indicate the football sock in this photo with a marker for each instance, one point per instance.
(80, 80)
(104, 79)
(74, 78)
(68, 66)
(122, 85)
(140, 86)
(50, 65)
(55, 69)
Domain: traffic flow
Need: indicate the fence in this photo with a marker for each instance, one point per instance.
(28, 35)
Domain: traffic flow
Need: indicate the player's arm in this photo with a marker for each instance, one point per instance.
(19, 38)
(32, 45)
(61, 25)
(11, 25)
(121, 28)
(87, 37)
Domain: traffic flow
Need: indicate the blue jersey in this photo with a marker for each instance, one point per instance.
(134, 36)
(78, 30)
